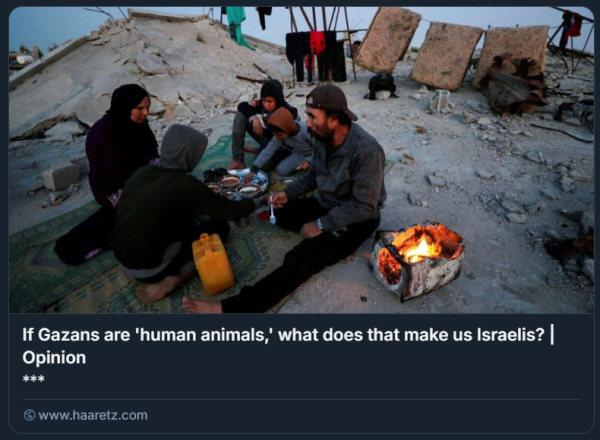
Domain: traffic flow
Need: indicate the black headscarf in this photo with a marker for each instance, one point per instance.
(124, 99)
(274, 89)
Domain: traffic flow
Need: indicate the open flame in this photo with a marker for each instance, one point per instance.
(414, 254)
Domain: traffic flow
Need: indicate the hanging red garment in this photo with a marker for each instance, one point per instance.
(575, 30)
(572, 22)
(317, 42)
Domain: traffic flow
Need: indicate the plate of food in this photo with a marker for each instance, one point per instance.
(261, 179)
(249, 190)
(214, 186)
(229, 193)
(230, 181)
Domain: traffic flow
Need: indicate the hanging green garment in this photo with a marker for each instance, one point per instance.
(235, 16)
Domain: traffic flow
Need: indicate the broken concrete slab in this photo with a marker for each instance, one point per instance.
(60, 176)
(177, 18)
(407, 159)
(579, 177)
(470, 118)
(573, 122)
(588, 269)
(485, 175)
(162, 87)
(417, 200)
(484, 121)
(151, 64)
(445, 54)
(64, 132)
(39, 65)
(512, 207)
(535, 156)
(436, 181)
(516, 218)
(197, 106)
(566, 184)
(82, 163)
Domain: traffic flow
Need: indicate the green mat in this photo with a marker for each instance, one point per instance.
(40, 282)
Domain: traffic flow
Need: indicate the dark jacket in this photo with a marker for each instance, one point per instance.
(159, 202)
(350, 180)
(252, 108)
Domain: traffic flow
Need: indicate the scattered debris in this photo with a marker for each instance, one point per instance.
(470, 118)
(588, 269)
(534, 156)
(60, 176)
(516, 218)
(520, 92)
(485, 175)
(436, 181)
(407, 159)
(440, 101)
(33, 190)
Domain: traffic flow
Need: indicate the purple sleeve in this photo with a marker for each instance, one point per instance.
(106, 176)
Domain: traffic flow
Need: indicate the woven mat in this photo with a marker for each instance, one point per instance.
(39, 282)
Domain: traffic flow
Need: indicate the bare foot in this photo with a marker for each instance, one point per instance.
(194, 306)
(149, 293)
(235, 165)
(249, 149)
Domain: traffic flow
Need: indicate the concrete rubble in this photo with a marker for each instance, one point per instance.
(501, 182)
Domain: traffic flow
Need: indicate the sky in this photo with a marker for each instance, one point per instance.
(45, 26)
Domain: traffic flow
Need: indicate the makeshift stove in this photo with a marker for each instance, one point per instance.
(417, 260)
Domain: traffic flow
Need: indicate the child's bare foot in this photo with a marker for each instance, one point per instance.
(194, 306)
(149, 293)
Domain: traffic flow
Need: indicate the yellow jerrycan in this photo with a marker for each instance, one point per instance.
(212, 264)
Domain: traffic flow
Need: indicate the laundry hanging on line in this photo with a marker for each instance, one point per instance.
(572, 22)
(261, 16)
(235, 16)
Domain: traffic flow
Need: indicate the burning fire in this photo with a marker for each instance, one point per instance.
(414, 254)
(414, 245)
(389, 267)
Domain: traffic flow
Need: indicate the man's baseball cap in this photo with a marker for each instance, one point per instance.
(329, 97)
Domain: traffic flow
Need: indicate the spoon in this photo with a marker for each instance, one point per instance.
(272, 219)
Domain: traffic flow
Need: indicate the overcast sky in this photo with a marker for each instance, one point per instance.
(43, 26)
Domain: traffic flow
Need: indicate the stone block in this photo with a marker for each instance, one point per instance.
(60, 176)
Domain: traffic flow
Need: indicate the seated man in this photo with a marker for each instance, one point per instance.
(252, 118)
(290, 149)
(156, 218)
(348, 172)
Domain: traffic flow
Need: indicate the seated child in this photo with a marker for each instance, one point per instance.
(290, 149)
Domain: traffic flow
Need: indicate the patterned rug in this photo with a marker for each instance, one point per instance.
(40, 282)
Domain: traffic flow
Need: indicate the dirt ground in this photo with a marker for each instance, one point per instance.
(482, 173)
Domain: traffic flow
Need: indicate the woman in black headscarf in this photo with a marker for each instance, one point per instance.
(116, 146)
